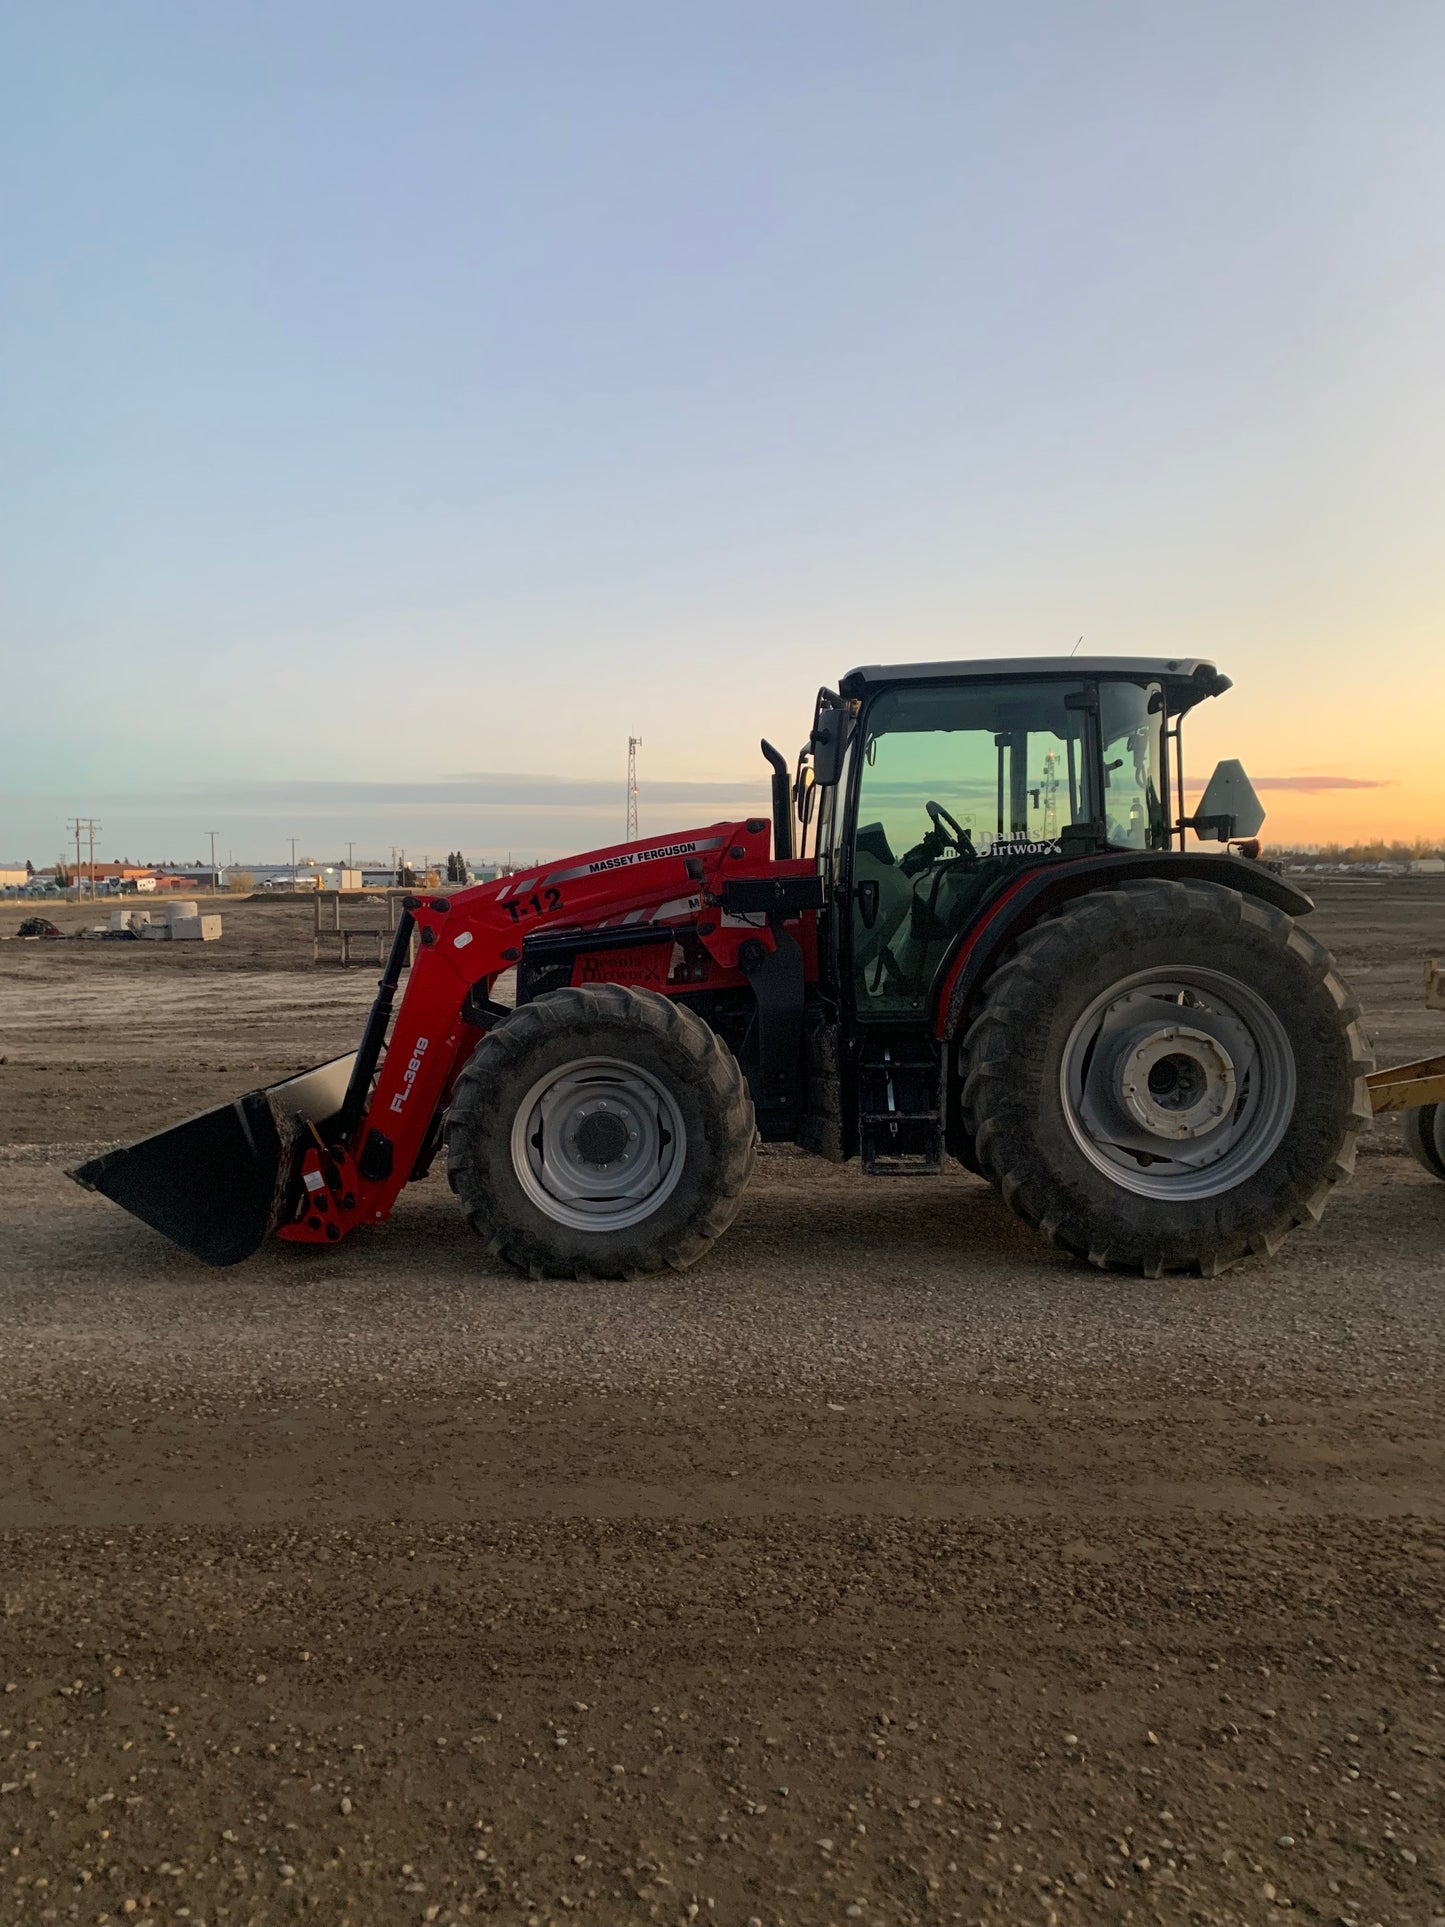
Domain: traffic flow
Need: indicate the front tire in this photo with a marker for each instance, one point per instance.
(1166, 1076)
(600, 1132)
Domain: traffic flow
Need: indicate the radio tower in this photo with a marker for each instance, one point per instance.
(634, 743)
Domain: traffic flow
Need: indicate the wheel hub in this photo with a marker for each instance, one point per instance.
(600, 1136)
(598, 1144)
(1177, 1083)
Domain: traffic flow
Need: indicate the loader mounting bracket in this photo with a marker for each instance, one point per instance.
(776, 977)
(771, 896)
(480, 1012)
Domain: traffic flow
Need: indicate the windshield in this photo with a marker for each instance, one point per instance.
(1009, 762)
(961, 785)
(1005, 760)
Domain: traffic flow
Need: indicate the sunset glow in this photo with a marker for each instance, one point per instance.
(457, 394)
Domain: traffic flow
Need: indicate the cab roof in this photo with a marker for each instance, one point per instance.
(1187, 679)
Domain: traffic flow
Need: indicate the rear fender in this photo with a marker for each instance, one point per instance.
(1043, 889)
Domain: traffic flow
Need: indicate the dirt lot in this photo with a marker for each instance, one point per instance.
(885, 1568)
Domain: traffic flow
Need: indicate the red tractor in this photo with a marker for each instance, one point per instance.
(995, 946)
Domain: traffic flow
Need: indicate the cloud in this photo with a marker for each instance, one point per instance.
(1307, 785)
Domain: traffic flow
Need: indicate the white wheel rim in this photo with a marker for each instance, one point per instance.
(1178, 1084)
(598, 1144)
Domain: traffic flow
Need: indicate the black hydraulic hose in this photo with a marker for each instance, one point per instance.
(373, 1038)
(782, 801)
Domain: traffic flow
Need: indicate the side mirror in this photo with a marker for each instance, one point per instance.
(1229, 808)
(826, 741)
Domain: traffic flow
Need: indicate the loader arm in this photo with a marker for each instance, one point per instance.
(608, 909)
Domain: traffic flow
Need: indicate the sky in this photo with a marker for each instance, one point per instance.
(399, 406)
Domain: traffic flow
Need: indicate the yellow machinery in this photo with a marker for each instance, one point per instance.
(1419, 1090)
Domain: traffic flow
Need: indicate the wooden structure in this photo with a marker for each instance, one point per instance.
(354, 942)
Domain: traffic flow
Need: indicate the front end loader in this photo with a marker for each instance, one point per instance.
(971, 926)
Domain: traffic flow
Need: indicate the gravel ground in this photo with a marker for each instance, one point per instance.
(884, 1568)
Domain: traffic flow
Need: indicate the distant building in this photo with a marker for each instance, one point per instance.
(121, 872)
(1428, 866)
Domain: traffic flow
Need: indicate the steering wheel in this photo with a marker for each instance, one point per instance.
(935, 811)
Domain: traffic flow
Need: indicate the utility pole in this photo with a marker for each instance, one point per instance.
(85, 826)
(349, 864)
(215, 880)
(293, 863)
(634, 743)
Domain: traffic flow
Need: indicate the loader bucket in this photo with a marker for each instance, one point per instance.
(218, 1184)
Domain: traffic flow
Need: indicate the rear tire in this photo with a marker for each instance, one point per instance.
(1166, 1076)
(1425, 1135)
(600, 1132)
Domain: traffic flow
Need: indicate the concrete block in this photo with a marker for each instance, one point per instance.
(195, 929)
(187, 907)
(156, 931)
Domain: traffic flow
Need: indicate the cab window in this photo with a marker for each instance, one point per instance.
(1131, 725)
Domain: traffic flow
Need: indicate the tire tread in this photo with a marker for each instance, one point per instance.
(1044, 956)
(712, 1071)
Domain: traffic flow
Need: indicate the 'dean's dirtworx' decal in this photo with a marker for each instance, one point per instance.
(1020, 843)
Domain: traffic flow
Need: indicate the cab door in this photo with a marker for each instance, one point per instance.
(957, 787)
(833, 865)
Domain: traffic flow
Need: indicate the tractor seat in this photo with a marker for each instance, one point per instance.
(873, 863)
(940, 905)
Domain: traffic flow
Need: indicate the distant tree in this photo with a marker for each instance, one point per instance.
(240, 883)
(62, 874)
(406, 876)
(456, 867)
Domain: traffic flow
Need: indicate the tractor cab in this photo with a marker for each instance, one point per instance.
(933, 788)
